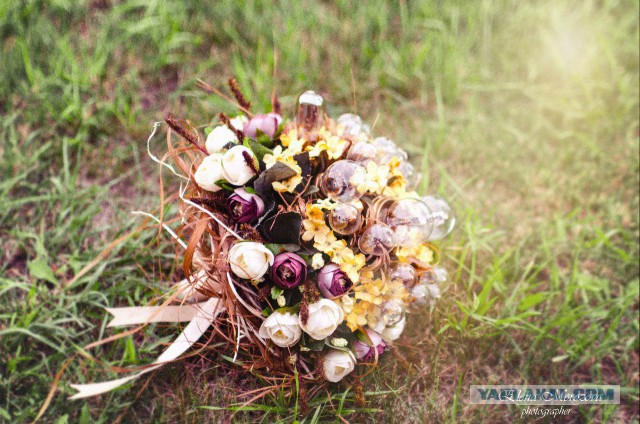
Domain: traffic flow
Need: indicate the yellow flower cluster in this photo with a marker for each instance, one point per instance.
(286, 157)
(330, 143)
(316, 229)
(293, 145)
(373, 180)
(421, 252)
(364, 308)
(326, 142)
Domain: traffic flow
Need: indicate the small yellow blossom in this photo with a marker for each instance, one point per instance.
(331, 245)
(350, 263)
(368, 296)
(327, 142)
(378, 176)
(291, 141)
(421, 252)
(315, 212)
(327, 204)
(315, 230)
(285, 157)
(278, 154)
(290, 184)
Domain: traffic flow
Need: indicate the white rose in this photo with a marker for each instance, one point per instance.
(324, 317)
(283, 328)
(219, 138)
(209, 171)
(235, 168)
(337, 364)
(238, 122)
(391, 333)
(250, 260)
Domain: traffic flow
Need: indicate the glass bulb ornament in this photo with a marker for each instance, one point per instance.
(339, 180)
(442, 218)
(420, 295)
(376, 240)
(402, 155)
(410, 175)
(423, 295)
(345, 219)
(362, 152)
(392, 312)
(383, 207)
(403, 273)
(410, 220)
(435, 275)
(352, 126)
(309, 114)
(386, 150)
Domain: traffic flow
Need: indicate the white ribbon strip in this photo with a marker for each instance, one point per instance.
(193, 331)
(148, 314)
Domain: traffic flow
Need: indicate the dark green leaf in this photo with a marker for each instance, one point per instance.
(264, 139)
(258, 149)
(276, 292)
(225, 185)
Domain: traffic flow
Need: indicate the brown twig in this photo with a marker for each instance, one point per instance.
(276, 107)
(210, 89)
(248, 159)
(226, 121)
(235, 90)
(183, 132)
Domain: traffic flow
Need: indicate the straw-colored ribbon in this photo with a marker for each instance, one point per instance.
(200, 316)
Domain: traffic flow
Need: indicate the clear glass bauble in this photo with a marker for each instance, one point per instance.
(435, 275)
(442, 217)
(339, 180)
(410, 221)
(392, 312)
(345, 219)
(402, 272)
(362, 152)
(351, 126)
(376, 240)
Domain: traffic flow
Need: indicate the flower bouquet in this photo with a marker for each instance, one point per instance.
(305, 246)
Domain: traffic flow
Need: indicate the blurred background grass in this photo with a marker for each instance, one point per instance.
(525, 116)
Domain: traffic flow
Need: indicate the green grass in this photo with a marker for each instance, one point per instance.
(524, 115)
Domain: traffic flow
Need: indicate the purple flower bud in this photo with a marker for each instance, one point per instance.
(366, 352)
(333, 282)
(288, 271)
(244, 207)
(268, 124)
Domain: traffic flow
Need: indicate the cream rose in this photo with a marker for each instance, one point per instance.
(250, 260)
(235, 168)
(283, 328)
(337, 364)
(219, 138)
(209, 171)
(323, 319)
(391, 333)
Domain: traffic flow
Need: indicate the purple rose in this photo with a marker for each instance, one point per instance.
(367, 352)
(288, 271)
(244, 206)
(268, 124)
(333, 282)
